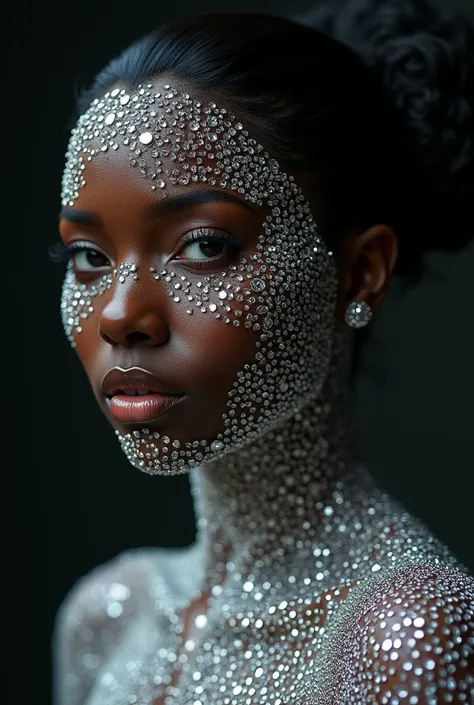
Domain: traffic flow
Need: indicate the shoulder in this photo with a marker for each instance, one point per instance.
(410, 638)
(120, 586)
(110, 591)
(96, 614)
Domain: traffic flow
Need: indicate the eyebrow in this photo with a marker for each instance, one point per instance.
(79, 217)
(193, 199)
(163, 207)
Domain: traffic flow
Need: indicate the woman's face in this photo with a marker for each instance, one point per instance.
(199, 296)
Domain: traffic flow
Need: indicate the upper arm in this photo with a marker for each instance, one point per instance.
(91, 622)
(413, 643)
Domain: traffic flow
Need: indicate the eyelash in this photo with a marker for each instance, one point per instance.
(61, 253)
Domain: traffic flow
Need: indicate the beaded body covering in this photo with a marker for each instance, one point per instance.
(323, 590)
(329, 590)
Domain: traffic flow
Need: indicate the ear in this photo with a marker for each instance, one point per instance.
(365, 264)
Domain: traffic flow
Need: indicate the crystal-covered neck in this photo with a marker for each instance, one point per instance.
(275, 495)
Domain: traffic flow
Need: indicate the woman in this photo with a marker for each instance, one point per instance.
(237, 193)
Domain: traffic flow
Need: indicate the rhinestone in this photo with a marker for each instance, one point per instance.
(146, 138)
(257, 284)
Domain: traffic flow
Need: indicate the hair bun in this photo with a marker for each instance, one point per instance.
(424, 57)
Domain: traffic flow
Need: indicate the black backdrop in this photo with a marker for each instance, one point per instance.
(78, 502)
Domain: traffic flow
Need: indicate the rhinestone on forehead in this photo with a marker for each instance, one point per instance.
(285, 291)
(159, 126)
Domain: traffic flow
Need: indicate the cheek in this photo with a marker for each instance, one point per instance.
(80, 311)
(214, 327)
(78, 303)
(214, 353)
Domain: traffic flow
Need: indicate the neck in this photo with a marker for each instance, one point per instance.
(268, 499)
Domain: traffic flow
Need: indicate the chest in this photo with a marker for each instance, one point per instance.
(256, 654)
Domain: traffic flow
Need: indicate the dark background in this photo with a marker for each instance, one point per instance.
(78, 502)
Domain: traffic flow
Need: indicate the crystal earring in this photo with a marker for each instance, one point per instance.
(358, 314)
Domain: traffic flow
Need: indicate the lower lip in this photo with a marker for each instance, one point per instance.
(140, 409)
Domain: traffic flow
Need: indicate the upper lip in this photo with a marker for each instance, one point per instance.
(119, 379)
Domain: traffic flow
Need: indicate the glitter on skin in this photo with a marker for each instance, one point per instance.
(332, 594)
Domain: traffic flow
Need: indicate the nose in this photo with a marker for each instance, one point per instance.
(134, 317)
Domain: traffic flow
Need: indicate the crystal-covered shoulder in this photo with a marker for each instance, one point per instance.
(407, 638)
(114, 622)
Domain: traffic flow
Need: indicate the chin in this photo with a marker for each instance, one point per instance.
(162, 452)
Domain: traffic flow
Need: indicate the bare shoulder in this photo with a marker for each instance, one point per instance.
(410, 639)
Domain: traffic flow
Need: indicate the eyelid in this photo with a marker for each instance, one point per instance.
(215, 234)
(86, 245)
(235, 244)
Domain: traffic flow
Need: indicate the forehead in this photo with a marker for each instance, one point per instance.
(173, 139)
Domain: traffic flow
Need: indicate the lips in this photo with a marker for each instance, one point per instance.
(135, 395)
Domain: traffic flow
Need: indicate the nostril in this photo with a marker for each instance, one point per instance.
(106, 337)
(137, 337)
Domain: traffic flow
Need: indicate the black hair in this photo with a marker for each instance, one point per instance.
(374, 98)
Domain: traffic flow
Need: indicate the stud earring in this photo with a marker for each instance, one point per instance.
(358, 314)
(125, 269)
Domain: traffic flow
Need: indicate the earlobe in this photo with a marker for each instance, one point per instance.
(367, 264)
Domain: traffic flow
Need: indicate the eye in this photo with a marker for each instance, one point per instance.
(88, 259)
(206, 244)
(84, 256)
(203, 249)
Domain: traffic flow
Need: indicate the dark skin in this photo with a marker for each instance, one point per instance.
(138, 324)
